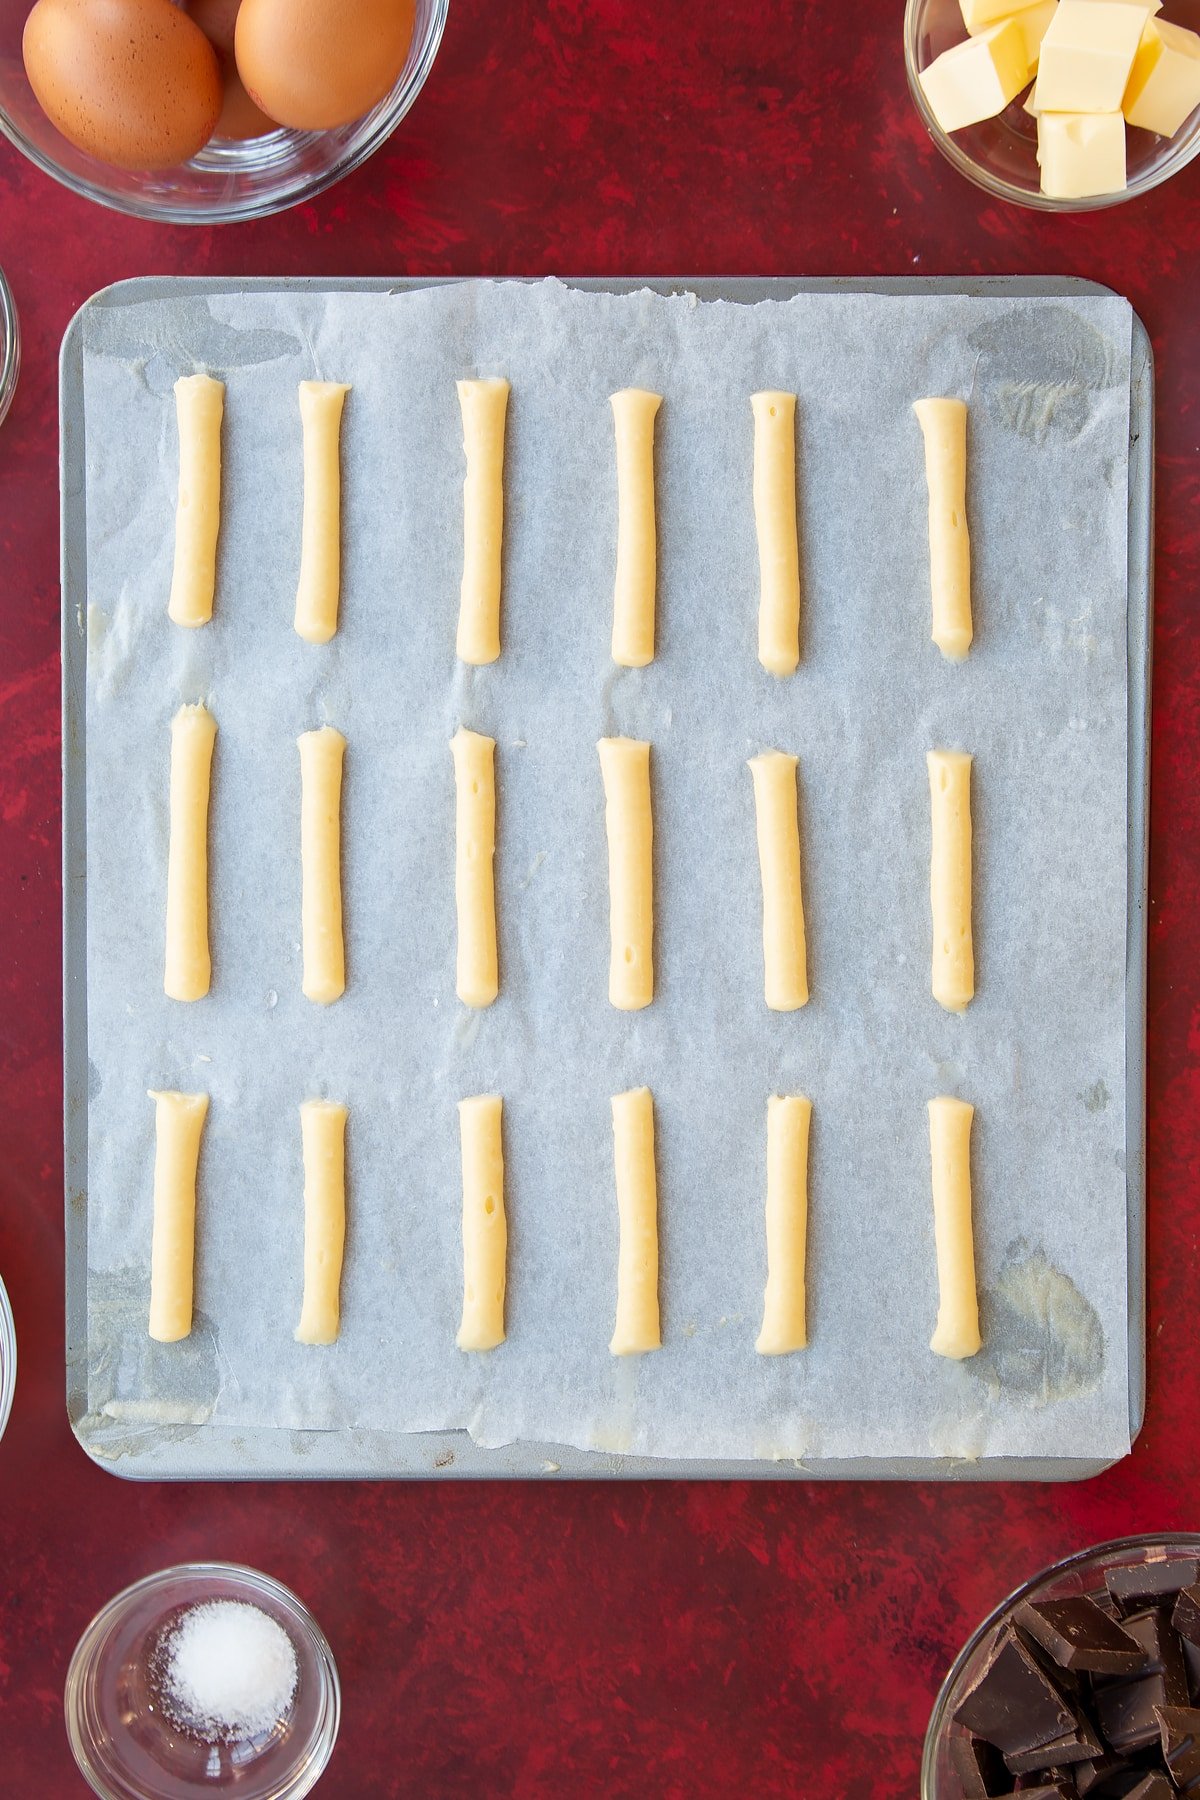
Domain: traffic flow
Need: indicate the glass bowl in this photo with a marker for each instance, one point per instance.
(125, 1746)
(8, 1335)
(1000, 155)
(10, 357)
(226, 180)
(1082, 1573)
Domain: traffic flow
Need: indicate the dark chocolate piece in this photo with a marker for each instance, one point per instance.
(1185, 1615)
(1179, 1730)
(1090, 1775)
(979, 1767)
(1063, 1789)
(1014, 1704)
(1080, 1745)
(1191, 1662)
(1133, 1589)
(1125, 1712)
(1077, 1635)
(1164, 1653)
(1151, 1787)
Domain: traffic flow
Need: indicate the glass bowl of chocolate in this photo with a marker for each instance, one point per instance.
(1083, 1685)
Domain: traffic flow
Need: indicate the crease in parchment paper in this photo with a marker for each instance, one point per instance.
(1041, 702)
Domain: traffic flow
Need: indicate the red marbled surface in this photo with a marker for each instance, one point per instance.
(642, 1640)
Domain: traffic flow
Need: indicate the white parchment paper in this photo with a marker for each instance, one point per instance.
(1041, 702)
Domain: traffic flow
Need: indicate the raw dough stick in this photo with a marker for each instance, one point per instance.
(321, 754)
(485, 1229)
(178, 1123)
(317, 596)
(478, 980)
(637, 1327)
(484, 405)
(783, 1326)
(785, 955)
(323, 1136)
(950, 878)
(199, 406)
(957, 1332)
(633, 599)
(188, 971)
(625, 767)
(775, 520)
(944, 424)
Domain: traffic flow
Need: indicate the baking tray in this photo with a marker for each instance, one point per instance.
(216, 1451)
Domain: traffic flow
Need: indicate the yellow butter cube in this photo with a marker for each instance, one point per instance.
(1081, 153)
(1087, 54)
(1030, 102)
(979, 14)
(1033, 22)
(976, 79)
(1164, 85)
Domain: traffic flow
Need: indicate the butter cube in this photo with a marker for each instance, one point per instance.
(1081, 153)
(979, 14)
(1033, 23)
(1087, 54)
(1030, 102)
(976, 79)
(1164, 86)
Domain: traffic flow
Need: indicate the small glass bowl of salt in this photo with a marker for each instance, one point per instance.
(204, 1679)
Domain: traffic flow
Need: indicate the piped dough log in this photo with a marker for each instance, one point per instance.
(179, 1122)
(778, 540)
(484, 1226)
(323, 1138)
(785, 951)
(950, 878)
(634, 411)
(478, 977)
(188, 965)
(199, 408)
(957, 1332)
(321, 755)
(625, 767)
(637, 1327)
(484, 405)
(319, 591)
(783, 1325)
(944, 425)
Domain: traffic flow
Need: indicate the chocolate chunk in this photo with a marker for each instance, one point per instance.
(1061, 1788)
(1077, 1635)
(1089, 1776)
(979, 1767)
(1179, 1730)
(1185, 1616)
(1125, 1712)
(1164, 1652)
(1133, 1589)
(1080, 1745)
(1191, 1662)
(1151, 1787)
(1014, 1704)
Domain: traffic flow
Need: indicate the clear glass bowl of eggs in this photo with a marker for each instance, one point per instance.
(203, 111)
(1123, 93)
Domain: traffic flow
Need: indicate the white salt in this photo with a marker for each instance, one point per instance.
(229, 1671)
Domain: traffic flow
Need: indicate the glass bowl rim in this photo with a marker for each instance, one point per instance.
(8, 1329)
(995, 185)
(1189, 1541)
(254, 1580)
(386, 115)
(10, 368)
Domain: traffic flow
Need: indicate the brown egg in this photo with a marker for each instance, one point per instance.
(240, 118)
(216, 19)
(317, 63)
(132, 82)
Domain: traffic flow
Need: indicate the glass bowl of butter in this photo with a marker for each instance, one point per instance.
(1061, 105)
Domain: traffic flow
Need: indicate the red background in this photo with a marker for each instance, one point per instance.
(639, 1640)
